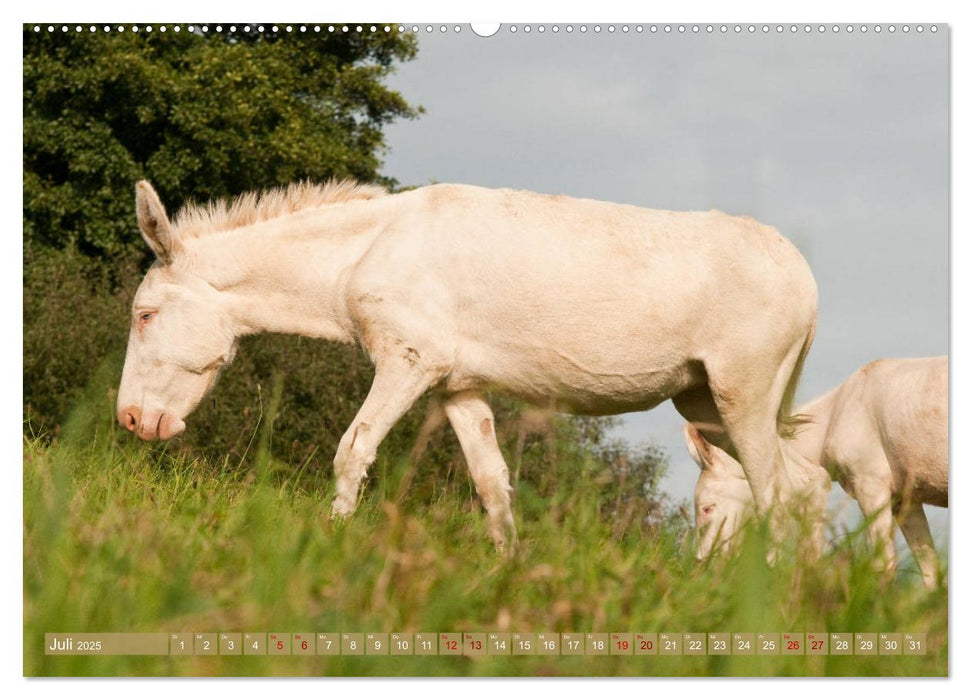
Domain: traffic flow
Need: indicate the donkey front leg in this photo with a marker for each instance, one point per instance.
(873, 495)
(475, 426)
(397, 385)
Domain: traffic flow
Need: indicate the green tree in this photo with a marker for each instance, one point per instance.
(200, 114)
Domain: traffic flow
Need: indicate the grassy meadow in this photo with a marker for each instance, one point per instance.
(127, 537)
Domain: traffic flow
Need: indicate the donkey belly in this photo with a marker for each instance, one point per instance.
(570, 378)
(589, 395)
(920, 472)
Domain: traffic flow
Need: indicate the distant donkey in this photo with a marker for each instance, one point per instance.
(882, 434)
(588, 306)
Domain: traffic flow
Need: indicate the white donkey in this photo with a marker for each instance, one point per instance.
(882, 434)
(723, 498)
(586, 306)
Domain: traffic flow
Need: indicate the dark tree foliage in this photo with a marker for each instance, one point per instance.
(201, 115)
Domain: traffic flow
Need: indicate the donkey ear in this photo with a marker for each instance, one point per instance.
(699, 448)
(154, 223)
(709, 457)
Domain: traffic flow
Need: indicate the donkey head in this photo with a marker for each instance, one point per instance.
(723, 497)
(180, 338)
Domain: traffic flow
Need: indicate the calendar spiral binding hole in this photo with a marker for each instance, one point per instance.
(682, 29)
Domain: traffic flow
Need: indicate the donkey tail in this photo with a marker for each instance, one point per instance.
(789, 423)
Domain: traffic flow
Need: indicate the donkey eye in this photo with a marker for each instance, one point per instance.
(144, 317)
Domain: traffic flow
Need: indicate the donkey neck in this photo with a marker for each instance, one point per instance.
(810, 438)
(288, 275)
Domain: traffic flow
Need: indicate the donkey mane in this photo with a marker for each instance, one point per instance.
(195, 220)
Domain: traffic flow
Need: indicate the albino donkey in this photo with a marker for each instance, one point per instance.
(882, 434)
(723, 499)
(586, 306)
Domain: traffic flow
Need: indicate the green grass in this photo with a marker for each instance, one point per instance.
(125, 537)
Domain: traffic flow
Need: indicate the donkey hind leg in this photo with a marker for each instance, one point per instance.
(474, 425)
(434, 419)
(758, 447)
(396, 387)
(913, 523)
(748, 402)
(749, 408)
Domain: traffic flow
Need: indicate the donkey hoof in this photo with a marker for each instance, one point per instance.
(341, 509)
(506, 545)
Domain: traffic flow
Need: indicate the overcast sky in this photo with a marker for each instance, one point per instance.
(839, 140)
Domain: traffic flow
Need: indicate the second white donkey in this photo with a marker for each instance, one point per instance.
(882, 435)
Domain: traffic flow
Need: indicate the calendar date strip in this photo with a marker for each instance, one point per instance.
(477, 644)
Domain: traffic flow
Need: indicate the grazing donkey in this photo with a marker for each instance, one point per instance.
(882, 434)
(723, 498)
(586, 306)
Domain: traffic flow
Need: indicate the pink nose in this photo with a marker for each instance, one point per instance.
(130, 417)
